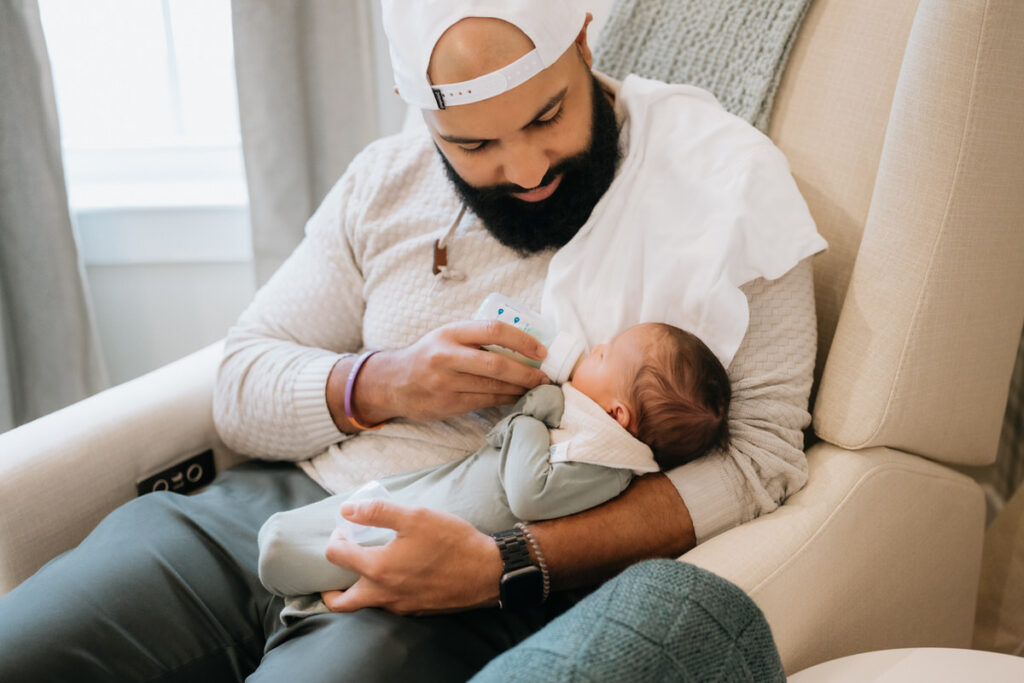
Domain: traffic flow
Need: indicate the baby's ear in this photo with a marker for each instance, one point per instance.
(621, 413)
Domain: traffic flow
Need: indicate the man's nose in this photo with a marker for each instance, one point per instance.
(525, 165)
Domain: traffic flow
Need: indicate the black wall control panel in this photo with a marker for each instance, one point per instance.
(185, 477)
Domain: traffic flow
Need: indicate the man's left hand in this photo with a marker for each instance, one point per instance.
(437, 562)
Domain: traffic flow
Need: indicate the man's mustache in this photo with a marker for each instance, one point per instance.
(504, 190)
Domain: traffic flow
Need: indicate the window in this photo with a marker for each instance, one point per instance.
(149, 126)
(156, 185)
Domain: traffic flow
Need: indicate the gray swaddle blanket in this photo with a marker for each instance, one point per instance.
(736, 49)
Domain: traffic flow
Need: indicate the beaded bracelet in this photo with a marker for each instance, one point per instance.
(540, 559)
(350, 386)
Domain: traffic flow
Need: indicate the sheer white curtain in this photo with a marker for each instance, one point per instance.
(308, 102)
(49, 354)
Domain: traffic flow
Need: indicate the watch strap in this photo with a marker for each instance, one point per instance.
(514, 548)
(522, 582)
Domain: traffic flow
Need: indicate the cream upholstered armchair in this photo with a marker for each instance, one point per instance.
(904, 125)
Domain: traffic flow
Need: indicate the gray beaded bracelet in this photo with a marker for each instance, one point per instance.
(540, 558)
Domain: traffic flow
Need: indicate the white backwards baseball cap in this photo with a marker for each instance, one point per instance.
(414, 26)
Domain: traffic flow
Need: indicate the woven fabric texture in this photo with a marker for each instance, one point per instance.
(736, 49)
(659, 620)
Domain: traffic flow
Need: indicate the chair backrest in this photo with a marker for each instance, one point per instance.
(903, 121)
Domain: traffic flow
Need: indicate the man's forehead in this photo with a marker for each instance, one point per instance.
(480, 123)
(512, 110)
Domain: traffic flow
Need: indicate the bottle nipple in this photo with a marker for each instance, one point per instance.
(564, 354)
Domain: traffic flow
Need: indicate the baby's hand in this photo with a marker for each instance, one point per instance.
(546, 403)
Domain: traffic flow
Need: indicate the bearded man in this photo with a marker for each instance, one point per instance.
(358, 359)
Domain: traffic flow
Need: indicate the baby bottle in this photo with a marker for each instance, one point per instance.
(359, 533)
(563, 349)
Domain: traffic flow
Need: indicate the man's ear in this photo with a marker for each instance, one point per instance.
(581, 42)
(621, 413)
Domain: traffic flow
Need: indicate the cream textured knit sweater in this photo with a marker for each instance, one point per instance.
(362, 278)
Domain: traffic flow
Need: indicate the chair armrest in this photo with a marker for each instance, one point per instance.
(880, 550)
(61, 474)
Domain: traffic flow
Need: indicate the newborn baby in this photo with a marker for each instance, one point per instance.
(655, 396)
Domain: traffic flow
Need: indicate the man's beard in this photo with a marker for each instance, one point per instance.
(530, 227)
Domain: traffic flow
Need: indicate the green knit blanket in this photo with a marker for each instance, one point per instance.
(736, 49)
(659, 620)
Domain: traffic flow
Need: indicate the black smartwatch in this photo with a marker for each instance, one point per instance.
(522, 584)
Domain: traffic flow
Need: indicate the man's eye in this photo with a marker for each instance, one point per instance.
(476, 148)
(540, 123)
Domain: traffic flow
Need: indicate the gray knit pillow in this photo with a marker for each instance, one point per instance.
(736, 49)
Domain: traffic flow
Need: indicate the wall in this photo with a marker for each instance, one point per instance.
(164, 282)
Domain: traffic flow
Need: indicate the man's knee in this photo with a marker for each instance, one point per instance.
(146, 577)
(657, 620)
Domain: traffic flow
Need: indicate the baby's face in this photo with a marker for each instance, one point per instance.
(605, 375)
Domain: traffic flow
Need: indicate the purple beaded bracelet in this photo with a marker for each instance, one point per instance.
(350, 386)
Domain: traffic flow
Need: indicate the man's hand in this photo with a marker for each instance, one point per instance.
(437, 562)
(444, 374)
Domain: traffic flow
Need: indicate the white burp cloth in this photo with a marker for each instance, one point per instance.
(702, 203)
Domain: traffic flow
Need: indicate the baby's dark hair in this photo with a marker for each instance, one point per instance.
(681, 397)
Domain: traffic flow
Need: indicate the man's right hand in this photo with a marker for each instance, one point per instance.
(445, 373)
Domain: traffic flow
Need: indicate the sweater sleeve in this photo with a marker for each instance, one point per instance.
(771, 376)
(270, 396)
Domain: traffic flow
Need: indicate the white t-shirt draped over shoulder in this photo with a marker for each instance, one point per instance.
(702, 203)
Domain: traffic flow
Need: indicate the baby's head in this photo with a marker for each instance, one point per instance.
(664, 386)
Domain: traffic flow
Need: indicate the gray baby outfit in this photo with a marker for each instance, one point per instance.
(525, 472)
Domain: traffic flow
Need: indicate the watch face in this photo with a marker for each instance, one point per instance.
(522, 588)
